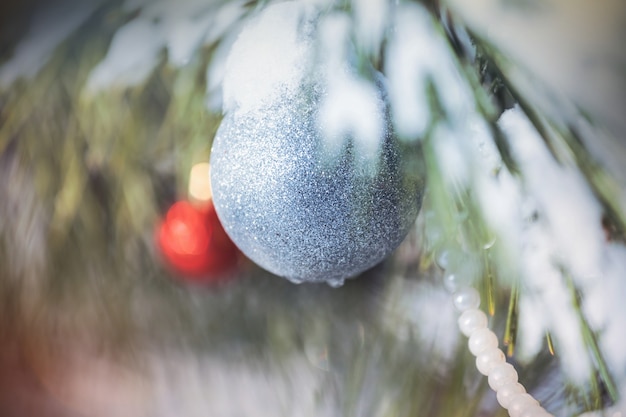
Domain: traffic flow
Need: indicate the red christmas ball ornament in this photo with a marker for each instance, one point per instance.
(194, 244)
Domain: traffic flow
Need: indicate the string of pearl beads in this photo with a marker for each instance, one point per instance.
(490, 360)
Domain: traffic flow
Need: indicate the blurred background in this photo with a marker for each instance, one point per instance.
(514, 112)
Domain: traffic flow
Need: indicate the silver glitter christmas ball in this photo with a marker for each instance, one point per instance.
(299, 205)
(300, 212)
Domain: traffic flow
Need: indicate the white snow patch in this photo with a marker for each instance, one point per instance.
(563, 196)
(418, 55)
(407, 63)
(180, 28)
(551, 220)
(604, 304)
(497, 191)
(370, 21)
(224, 30)
(609, 151)
(51, 26)
(500, 197)
(543, 279)
(604, 307)
(455, 164)
(480, 135)
(132, 56)
(353, 107)
(532, 327)
(216, 71)
(567, 233)
(184, 24)
(226, 17)
(184, 38)
(268, 60)
(333, 41)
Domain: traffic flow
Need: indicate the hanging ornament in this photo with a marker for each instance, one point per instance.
(191, 239)
(299, 205)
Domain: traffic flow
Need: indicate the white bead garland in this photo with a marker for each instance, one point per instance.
(521, 403)
(481, 340)
(472, 319)
(501, 375)
(467, 298)
(490, 360)
(508, 391)
(487, 360)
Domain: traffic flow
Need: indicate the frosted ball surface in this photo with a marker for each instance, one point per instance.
(299, 212)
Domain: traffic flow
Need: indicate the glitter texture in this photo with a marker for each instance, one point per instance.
(296, 211)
